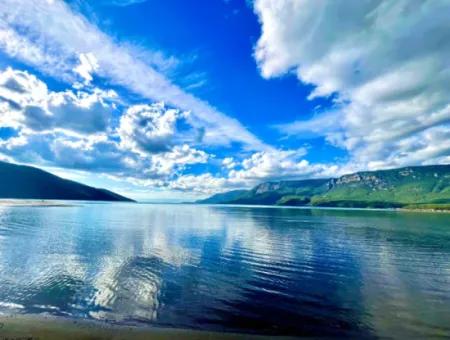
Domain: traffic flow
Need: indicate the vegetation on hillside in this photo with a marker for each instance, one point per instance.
(420, 186)
(26, 182)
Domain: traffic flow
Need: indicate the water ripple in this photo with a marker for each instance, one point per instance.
(277, 271)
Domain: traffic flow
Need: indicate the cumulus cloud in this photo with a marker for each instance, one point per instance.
(95, 153)
(280, 164)
(149, 128)
(176, 160)
(52, 37)
(203, 183)
(76, 130)
(150, 145)
(26, 102)
(99, 154)
(385, 63)
(229, 162)
(256, 168)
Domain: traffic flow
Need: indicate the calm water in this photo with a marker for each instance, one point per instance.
(275, 271)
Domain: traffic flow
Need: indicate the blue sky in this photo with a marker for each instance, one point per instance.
(175, 100)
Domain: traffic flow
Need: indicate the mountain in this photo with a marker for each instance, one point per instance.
(223, 197)
(418, 186)
(273, 193)
(20, 181)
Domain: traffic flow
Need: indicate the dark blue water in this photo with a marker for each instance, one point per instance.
(263, 270)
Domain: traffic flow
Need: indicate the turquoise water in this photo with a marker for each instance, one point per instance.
(257, 270)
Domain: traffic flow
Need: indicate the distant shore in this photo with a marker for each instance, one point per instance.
(430, 208)
(33, 203)
(34, 327)
(427, 210)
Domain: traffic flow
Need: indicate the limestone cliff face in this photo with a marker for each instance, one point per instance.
(265, 187)
(360, 179)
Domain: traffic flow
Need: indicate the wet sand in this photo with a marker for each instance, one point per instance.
(32, 327)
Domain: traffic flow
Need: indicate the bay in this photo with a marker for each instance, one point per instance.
(265, 270)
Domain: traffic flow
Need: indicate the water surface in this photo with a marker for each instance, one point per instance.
(244, 269)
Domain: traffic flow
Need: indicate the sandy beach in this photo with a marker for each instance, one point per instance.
(33, 327)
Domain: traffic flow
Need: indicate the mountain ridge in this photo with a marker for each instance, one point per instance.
(27, 182)
(411, 186)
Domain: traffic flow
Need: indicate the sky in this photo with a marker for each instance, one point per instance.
(178, 100)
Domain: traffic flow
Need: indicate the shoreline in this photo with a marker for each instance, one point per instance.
(308, 207)
(445, 211)
(70, 203)
(34, 203)
(34, 327)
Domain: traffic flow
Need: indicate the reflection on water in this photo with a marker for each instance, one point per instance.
(277, 271)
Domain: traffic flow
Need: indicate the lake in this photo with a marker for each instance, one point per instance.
(230, 268)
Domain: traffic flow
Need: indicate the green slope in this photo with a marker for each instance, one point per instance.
(277, 192)
(420, 186)
(26, 182)
(223, 197)
(389, 188)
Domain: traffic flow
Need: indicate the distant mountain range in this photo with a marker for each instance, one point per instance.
(426, 187)
(20, 181)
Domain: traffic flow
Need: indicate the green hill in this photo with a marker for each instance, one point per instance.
(418, 186)
(26, 182)
(224, 197)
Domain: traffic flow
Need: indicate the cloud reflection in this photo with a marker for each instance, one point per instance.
(282, 271)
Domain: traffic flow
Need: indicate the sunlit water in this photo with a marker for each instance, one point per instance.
(263, 270)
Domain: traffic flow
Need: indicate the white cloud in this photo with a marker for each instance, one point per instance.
(56, 149)
(229, 162)
(122, 3)
(51, 37)
(26, 102)
(87, 66)
(276, 165)
(99, 154)
(385, 62)
(22, 48)
(149, 128)
(203, 183)
(258, 167)
(76, 130)
(164, 164)
(145, 147)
